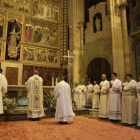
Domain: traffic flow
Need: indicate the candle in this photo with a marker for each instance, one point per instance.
(56, 81)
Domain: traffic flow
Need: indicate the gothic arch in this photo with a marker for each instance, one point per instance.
(97, 67)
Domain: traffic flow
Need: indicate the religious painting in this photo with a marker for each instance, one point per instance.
(1, 26)
(52, 56)
(8, 5)
(28, 54)
(23, 9)
(41, 36)
(48, 12)
(13, 40)
(41, 55)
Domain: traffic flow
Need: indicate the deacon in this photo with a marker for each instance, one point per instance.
(129, 103)
(81, 90)
(95, 98)
(89, 94)
(35, 96)
(62, 93)
(115, 98)
(3, 89)
(138, 93)
(104, 86)
(75, 95)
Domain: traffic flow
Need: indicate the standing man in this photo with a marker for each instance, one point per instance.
(115, 98)
(3, 89)
(104, 86)
(75, 95)
(35, 96)
(81, 90)
(129, 103)
(89, 94)
(62, 93)
(138, 93)
(95, 98)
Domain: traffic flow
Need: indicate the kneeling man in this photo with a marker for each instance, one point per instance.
(62, 93)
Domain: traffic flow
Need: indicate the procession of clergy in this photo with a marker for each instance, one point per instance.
(117, 101)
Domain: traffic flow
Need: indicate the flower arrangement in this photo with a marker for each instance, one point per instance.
(8, 105)
(49, 101)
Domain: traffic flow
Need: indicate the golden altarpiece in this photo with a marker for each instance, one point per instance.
(33, 35)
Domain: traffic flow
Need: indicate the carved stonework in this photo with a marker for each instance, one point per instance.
(117, 11)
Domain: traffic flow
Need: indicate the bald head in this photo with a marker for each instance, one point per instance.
(103, 77)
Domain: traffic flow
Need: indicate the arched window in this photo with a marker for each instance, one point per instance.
(97, 22)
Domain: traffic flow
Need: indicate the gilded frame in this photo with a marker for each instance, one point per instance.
(24, 57)
(39, 62)
(1, 51)
(53, 63)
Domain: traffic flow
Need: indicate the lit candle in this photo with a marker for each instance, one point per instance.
(52, 81)
(56, 81)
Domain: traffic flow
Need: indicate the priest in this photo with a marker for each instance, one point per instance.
(35, 96)
(103, 108)
(129, 103)
(75, 95)
(95, 97)
(81, 90)
(115, 98)
(62, 93)
(3, 89)
(89, 95)
(138, 93)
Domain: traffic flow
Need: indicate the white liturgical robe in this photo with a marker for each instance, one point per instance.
(103, 108)
(95, 96)
(35, 97)
(64, 110)
(138, 92)
(3, 89)
(89, 95)
(75, 97)
(81, 90)
(129, 103)
(115, 100)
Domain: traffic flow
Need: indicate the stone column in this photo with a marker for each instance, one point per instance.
(117, 41)
(125, 38)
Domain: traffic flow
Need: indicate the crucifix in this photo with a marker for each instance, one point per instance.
(69, 57)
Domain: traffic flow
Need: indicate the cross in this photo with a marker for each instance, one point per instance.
(69, 57)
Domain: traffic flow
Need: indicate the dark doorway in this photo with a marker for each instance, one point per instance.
(97, 67)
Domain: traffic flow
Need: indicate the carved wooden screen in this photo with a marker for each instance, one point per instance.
(138, 60)
(12, 75)
(97, 67)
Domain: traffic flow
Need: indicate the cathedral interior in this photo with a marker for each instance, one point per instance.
(101, 35)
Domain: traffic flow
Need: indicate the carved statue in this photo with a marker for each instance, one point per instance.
(13, 48)
(97, 24)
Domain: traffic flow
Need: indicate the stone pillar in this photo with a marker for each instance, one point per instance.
(76, 37)
(117, 41)
(125, 38)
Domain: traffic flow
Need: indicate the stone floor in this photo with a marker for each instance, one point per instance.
(94, 113)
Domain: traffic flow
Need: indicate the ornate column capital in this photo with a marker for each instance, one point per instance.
(123, 5)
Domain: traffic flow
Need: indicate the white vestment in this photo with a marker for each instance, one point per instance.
(138, 93)
(64, 110)
(76, 97)
(3, 89)
(129, 103)
(95, 96)
(35, 97)
(81, 90)
(115, 100)
(103, 108)
(89, 95)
